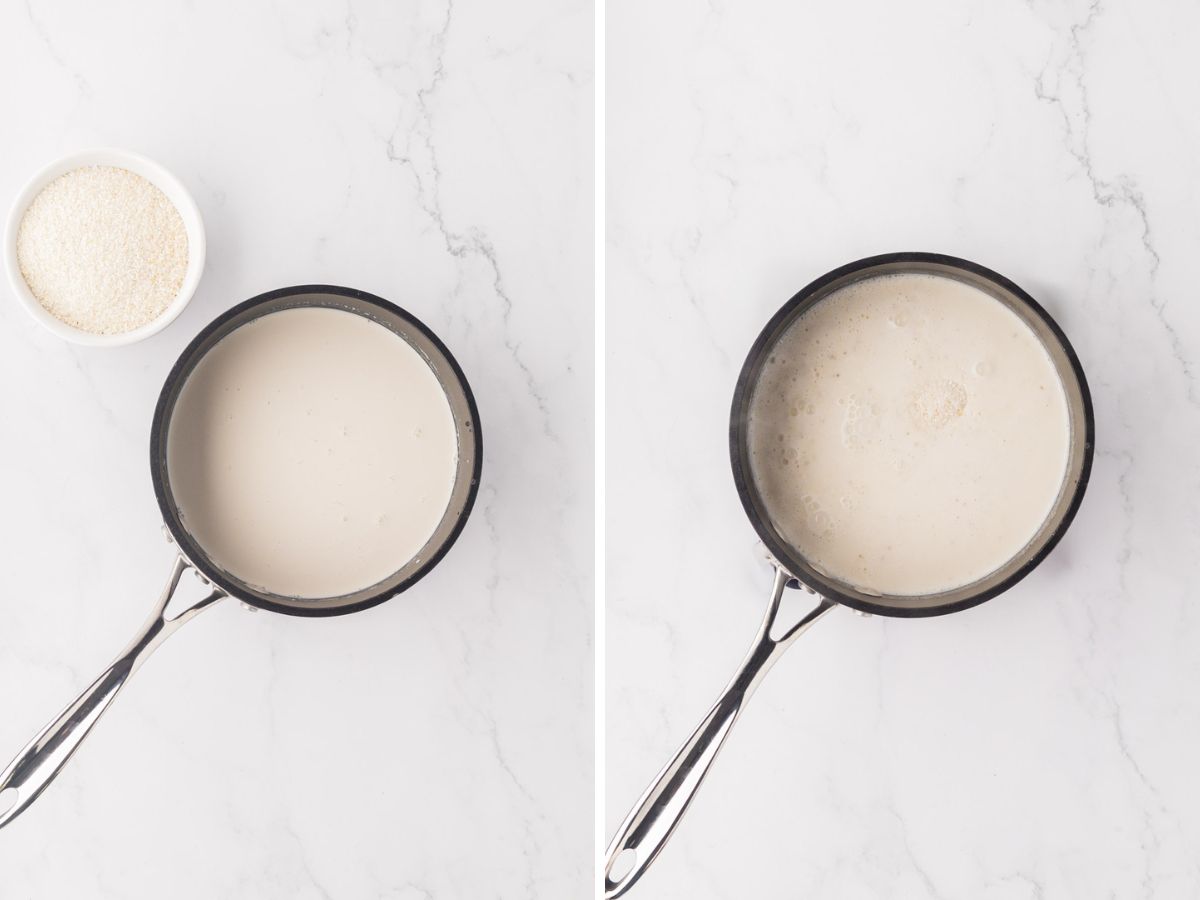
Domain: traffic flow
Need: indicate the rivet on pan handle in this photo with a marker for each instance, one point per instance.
(45, 755)
(650, 825)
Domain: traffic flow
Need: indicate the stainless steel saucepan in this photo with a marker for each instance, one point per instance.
(44, 756)
(645, 831)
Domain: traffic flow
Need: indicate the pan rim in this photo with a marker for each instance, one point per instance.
(182, 367)
(784, 556)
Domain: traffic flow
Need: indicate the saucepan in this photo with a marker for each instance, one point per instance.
(41, 760)
(647, 828)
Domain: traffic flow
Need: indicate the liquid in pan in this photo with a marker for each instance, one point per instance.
(908, 434)
(312, 453)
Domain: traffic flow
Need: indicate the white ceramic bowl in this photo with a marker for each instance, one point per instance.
(156, 175)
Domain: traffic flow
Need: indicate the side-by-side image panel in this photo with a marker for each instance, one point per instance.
(900, 481)
(298, 337)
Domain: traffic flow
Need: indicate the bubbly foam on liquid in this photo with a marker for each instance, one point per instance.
(908, 434)
(312, 453)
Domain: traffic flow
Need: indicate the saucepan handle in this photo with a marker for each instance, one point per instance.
(44, 756)
(648, 827)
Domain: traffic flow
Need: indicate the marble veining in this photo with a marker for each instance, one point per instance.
(438, 154)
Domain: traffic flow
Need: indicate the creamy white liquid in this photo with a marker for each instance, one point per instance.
(312, 453)
(909, 435)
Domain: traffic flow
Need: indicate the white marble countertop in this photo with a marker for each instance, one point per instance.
(1043, 745)
(438, 746)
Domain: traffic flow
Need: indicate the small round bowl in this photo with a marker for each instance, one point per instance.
(174, 190)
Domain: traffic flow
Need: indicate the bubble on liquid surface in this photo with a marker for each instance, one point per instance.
(860, 422)
(819, 522)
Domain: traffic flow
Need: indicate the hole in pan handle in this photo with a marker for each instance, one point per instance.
(648, 827)
(44, 756)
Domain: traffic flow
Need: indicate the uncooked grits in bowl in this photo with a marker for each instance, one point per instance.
(102, 249)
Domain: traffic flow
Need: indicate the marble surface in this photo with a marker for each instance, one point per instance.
(1043, 745)
(438, 746)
